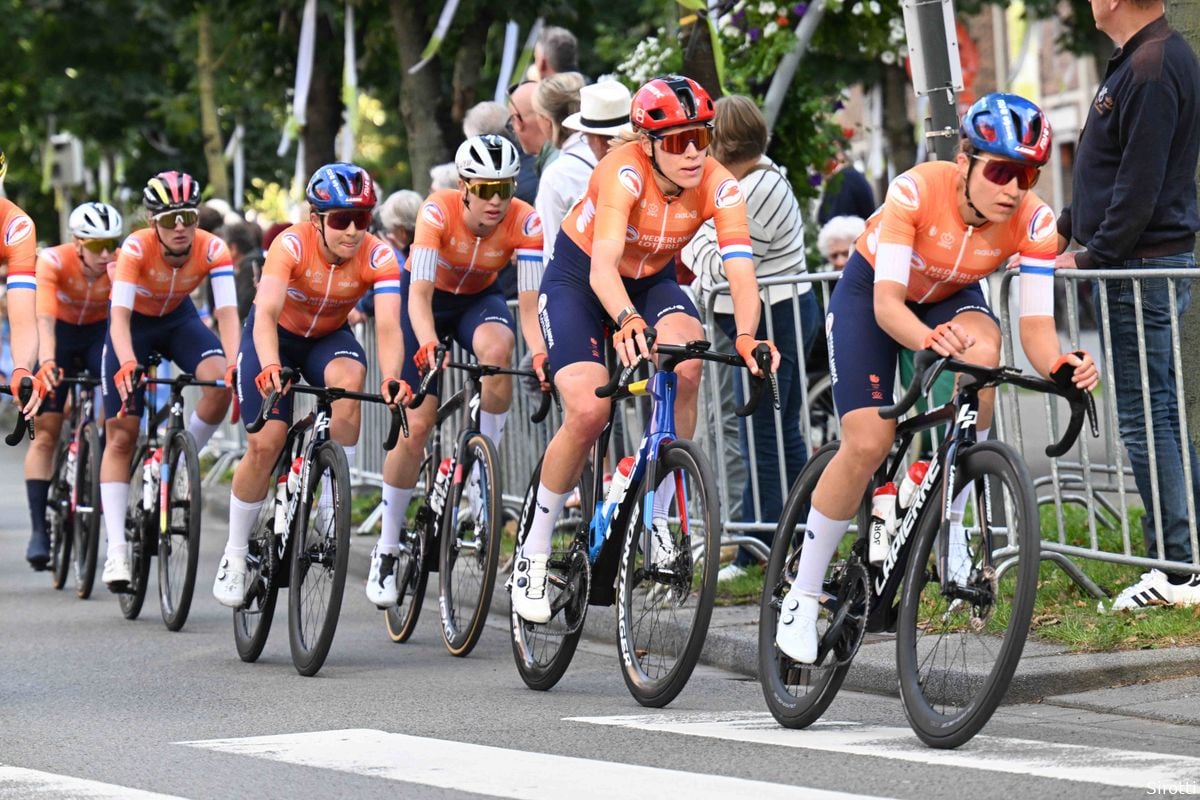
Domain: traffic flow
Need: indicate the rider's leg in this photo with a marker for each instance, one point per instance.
(121, 436)
(493, 344)
(213, 402)
(401, 468)
(38, 467)
(679, 328)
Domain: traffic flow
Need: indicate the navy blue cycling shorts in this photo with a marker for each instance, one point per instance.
(309, 357)
(862, 356)
(571, 316)
(180, 337)
(76, 348)
(454, 315)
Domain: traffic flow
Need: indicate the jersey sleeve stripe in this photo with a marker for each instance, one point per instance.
(122, 294)
(222, 272)
(22, 281)
(224, 289)
(387, 287)
(1036, 267)
(529, 254)
(1036, 292)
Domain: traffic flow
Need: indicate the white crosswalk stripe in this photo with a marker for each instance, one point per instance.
(495, 771)
(18, 782)
(1132, 768)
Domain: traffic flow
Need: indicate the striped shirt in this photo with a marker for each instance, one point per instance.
(776, 236)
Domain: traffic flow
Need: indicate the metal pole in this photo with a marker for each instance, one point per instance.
(937, 71)
(786, 70)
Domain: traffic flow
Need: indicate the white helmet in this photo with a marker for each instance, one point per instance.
(490, 157)
(96, 221)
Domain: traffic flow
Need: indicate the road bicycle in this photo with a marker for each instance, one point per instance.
(305, 525)
(963, 605)
(162, 516)
(73, 502)
(457, 525)
(663, 603)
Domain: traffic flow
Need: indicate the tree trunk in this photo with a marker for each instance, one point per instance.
(420, 94)
(468, 64)
(210, 127)
(324, 110)
(1184, 16)
(699, 61)
(898, 131)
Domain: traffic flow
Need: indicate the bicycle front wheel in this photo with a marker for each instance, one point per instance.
(668, 578)
(470, 549)
(179, 542)
(140, 541)
(264, 563)
(956, 654)
(86, 520)
(319, 556)
(411, 574)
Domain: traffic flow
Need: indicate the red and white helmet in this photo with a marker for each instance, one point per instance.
(669, 102)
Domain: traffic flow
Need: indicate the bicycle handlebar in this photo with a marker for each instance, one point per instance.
(928, 365)
(287, 378)
(482, 371)
(24, 426)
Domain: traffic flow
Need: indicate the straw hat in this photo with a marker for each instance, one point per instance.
(603, 109)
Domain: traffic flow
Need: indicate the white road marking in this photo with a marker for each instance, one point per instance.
(18, 782)
(1072, 762)
(495, 771)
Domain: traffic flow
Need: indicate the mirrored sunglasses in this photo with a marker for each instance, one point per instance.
(1002, 172)
(341, 220)
(677, 143)
(486, 190)
(170, 219)
(100, 245)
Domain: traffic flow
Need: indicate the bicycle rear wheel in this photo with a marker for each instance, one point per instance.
(798, 694)
(58, 514)
(665, 590)
(543, 652)
(470, 549)
(140, 541)
(319, 556)
(179, 544)
(411, 574)
(86, 520)
(264, 562)
(956, 657)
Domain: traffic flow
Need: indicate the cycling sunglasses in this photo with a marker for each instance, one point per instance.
(341, 220)
(1001, 172)
(677, 143)
(170, 219)
(486, 190)
(100, 245)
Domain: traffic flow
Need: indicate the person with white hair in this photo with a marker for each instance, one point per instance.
(837, 237)
(492, 117)
(398, 215)
(442, 177)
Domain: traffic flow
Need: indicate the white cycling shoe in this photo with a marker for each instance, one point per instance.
(530, 600)
(381, 580)
(662, 546)
(796, 635)
(230, 585)
(117, 572)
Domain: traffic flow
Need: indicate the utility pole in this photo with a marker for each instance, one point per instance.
(937, 70)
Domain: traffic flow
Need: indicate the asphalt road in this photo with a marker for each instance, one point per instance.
(92, 705)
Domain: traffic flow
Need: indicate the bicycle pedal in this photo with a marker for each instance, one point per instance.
(120, 587)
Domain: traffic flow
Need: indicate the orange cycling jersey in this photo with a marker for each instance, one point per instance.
(918, 237)
(18, 248)
(466, 263)
(65, 292)
(624, 204)
(157, 287)
(319, 296)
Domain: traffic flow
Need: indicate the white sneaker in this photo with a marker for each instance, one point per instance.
(730, 572)
(1186, 594)
(1153, 590)
(662, 546)
(230, 585)
(796, 635)
(381, 580)
(117, 571)
(529, 597)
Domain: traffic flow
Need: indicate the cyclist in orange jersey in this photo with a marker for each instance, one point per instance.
(614, 259)
(18, 254)
(913, 282)
(157, 269)
(73, 288)
(314, 274)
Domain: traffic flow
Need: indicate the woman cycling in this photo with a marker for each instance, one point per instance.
(913, 281)
(614, 259)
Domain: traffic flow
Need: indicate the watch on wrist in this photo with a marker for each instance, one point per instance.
(624, 314)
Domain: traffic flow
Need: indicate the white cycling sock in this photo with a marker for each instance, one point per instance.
(492, 425)
(242, 516)
(821, 542)
(395, 505)
(960, 501)
(114, 497)
(663, 496)
(201, 431)
(541, 529)
(351, 452)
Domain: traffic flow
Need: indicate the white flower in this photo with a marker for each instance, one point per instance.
(875, 7)
(856, 9)
(770, 29)
(888, 57)
(767, 8)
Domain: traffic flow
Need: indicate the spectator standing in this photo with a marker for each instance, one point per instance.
(1134, 207)
(491, 117)
(556, 51)
(847, 193)
(777, 238)
(565, 177)
(398, 219)
(243, 239)
(532, 131)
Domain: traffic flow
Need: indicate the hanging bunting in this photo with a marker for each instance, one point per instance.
(349, 89)
(507, 61)
(304, 69)
(439, 33)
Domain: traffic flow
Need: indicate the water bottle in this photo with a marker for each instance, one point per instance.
(284, 488)
(616, 491)
(440, 483)
(72, 463)
(883, 522)
(149, 470)
(909, 484)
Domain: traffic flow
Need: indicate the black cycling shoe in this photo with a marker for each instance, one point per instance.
(38, 552)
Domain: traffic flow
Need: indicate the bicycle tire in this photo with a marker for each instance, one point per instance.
(798, 694)
(411, 575)
(185, 506)
(543, 652)
(86, 519)
(58, 514)
(322, 540)
(469, 577)
(252, 622)
(967, 702)
(139, 541)
(658, 656)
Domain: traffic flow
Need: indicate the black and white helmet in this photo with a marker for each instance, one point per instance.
(489, 157)
(96, 221)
